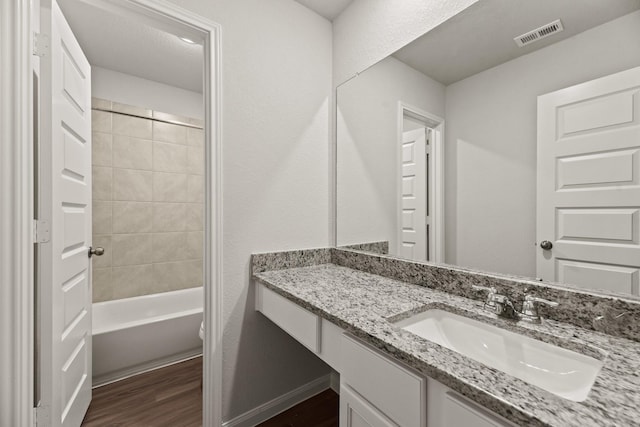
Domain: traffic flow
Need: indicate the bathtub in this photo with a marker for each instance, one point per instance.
(134, 335)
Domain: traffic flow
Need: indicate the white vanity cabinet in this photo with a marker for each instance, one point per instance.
(355, 411)
(318, 335)
(397, 392)
(375, 390)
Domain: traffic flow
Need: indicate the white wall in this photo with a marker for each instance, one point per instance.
(367, 155)
(132, 90)
(368, 31)
(491, 143)
(276, 59)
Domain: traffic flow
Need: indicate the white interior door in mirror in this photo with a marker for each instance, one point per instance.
(413, 215)
(66, 273)
(589, 184)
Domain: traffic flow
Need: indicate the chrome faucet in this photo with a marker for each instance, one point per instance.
(497, 303)
(502, 306)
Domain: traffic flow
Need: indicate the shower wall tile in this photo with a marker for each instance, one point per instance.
(170, 247)
(169, 275)
(101, 147)
(102, 217)
(193, 273)
(103, 241)
(195, 244)
(132, 126)
(132, 281)
(102, 183)
(195, 160)
(102, 104)
(101, 121)
(169, 157)
(132, 217)
(102, 284)
(133, 185)
(132, 153)
(195, 137)
(169, 217)
(195, 190)
(169, 187)
(168, 132)
(195, 217)
(148, 202)
(131, 249)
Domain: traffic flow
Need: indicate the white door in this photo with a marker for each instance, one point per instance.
(65, 274)
(414, 216)
(589, 184)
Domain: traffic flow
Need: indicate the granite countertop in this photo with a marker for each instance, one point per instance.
(364, 303)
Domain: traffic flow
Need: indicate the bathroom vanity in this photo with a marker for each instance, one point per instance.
(391, 375)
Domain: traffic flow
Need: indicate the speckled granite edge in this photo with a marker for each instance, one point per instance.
(576, 307)
(363, 303)
(381, 248)
(289, 259)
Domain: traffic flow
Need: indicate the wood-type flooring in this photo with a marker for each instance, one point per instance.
(171, 397)
(166, 397)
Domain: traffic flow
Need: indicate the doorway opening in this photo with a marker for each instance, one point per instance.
(420, 202)
(129, 183)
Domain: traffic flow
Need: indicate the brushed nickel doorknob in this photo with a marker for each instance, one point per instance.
(97, 251)
(546, 245)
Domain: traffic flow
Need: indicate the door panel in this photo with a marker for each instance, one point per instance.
(66, 284)
(413, 210)
(589, 183)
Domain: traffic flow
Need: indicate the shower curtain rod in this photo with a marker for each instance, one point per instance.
(173, 122)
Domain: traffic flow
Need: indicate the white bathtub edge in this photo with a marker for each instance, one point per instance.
(123, 374)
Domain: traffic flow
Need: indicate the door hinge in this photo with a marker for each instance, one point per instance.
(40, 44)
(41, 231)
(41, 416)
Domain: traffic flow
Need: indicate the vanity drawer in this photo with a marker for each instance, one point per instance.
(301, 324)
(396, 391)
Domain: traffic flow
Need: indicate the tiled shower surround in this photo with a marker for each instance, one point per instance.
(148, 199)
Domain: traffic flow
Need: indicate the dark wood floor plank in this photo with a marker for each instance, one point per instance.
(171, 397)
(321, 410)
(168, 397)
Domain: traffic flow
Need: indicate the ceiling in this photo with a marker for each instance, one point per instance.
(131, 46)
(481, 36)
(330, 9)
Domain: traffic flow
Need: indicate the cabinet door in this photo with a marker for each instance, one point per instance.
(357, 412)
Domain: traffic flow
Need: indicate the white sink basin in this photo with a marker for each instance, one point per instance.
(560, 371)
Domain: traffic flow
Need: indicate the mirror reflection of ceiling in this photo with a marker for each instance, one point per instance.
(330, 9)
(130, 46)
(481, 36)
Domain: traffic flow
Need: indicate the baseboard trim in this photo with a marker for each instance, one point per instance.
(280, 404)
(113, 377)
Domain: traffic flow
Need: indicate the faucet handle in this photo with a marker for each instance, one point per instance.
(491, 290)
(491, 295)
(532, 299)
(530, 308)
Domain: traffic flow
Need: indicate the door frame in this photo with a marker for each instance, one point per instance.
(17, 193)
(437, 152)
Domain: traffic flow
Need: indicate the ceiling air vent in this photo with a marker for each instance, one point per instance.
(539, 33)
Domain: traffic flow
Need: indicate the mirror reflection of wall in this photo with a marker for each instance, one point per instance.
(471, 73)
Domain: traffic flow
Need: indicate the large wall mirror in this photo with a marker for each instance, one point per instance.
(505, 140)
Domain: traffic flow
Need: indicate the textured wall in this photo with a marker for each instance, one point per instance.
(491, 127)
(370, 30)
(368, 152)
(147, 202)
(276, 64)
